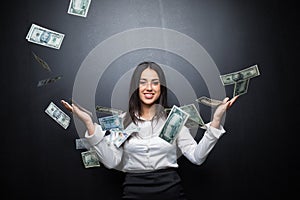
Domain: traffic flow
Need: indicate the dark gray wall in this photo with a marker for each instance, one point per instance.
(39, 159)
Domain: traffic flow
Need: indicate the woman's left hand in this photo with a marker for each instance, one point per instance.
(220, 111)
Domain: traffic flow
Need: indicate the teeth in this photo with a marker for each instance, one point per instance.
(148, 95)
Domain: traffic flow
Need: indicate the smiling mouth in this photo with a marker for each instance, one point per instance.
(148, 95)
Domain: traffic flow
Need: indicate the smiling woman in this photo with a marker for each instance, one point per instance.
(150, 162)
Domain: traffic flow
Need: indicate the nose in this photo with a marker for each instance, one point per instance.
(149, 86)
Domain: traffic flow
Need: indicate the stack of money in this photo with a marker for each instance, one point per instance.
(240, 79)
(45, 37)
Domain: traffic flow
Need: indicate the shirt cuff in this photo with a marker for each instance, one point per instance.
(215, 132)
(96, 137)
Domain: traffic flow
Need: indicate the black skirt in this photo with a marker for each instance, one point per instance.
(164, 184)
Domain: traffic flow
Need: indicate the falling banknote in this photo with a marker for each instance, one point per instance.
(240, 79)
(209, 101)
(103, 109)
(45, 37)
(42, 62)
(79, 7)
(174, 123)
(90, 159)
(111, 122)
(58, 115)
(194, 116)
(48, 80)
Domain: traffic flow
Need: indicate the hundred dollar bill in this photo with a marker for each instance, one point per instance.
(58, 115)
(208, 101)
(194, 115)
(48, 80)
(174, 123)
(45, 37)
(42, 62)
(108, 110)
(81, 143)
(111, 122)
(79, 7)
(90, 159)
(231, 78)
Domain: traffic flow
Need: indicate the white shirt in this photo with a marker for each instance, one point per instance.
(145, 151)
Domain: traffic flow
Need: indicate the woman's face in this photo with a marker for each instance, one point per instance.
(149, 87)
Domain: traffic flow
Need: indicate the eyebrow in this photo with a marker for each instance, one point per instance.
(155, 79)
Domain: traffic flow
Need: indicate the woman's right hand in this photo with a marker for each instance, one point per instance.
(82, 114)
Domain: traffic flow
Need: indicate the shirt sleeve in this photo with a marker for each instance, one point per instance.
(197, 153)
(110, 156)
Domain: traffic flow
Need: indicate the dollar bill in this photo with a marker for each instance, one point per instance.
(79, 7)
(111, 122)
(122, 135)
(194, 114)
(81, 143)
(240, 79)
(42, 62)
(167, 110)
(58, 115)
(209, 101)
(103, 109)
(45, 37)
(90, 159)
(248, 73)
(48, 80)
(173, 125)
(241, 87)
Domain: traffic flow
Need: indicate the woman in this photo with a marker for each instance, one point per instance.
(150, 162)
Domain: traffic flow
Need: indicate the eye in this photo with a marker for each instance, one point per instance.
(143, 82)
(155, 82)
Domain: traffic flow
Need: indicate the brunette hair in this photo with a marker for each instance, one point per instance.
(134, 106)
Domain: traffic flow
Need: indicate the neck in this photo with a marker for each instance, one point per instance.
(148, 111)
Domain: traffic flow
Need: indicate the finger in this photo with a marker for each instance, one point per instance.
(67, 105)
(225, 99)
(233, 100)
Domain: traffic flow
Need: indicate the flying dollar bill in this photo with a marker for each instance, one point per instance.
(90, 159)
(103, 109)
(174, 123)
(45, 37)
(58, 115)
(194, 115)
(48, 80)
(79, 7)
(42, 62)
(209, 101)
(240, 79)
(111, 122)
(81, 143)
(122, 135)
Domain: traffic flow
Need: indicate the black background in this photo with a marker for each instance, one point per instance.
(39, 159)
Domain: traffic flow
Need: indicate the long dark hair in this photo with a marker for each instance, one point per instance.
(134, 106)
